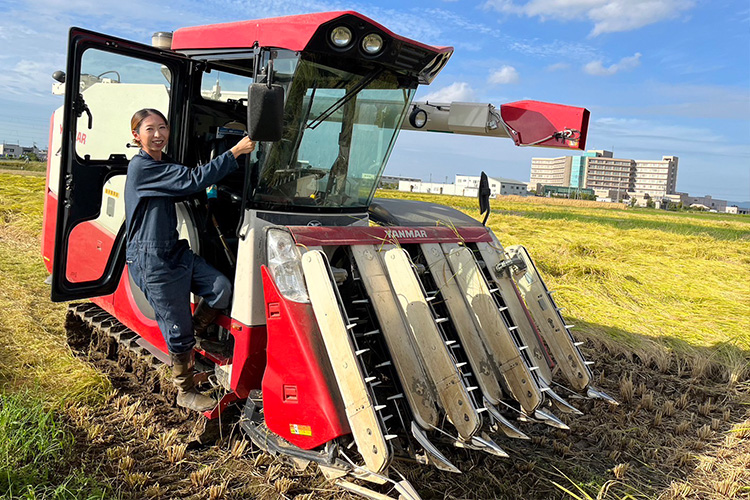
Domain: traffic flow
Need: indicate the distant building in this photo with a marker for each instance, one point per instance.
(550, 172)
(467, 185)
(734, 209)
(10, 150)
(656, 178)
(392, 181)
(611, 178)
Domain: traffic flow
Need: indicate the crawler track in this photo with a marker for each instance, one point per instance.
(145, 446)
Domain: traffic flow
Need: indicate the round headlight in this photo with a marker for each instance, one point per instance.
(341, 36)
(418, 118)
(372, 43)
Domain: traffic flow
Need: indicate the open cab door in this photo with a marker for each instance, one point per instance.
(107, 80)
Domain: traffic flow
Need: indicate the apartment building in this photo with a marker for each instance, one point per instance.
(550, 172)
(656, 178)
(610, 177)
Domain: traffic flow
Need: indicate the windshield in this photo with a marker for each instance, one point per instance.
(339, 129)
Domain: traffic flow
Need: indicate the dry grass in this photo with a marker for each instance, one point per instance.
(33, 351)
(674, 306)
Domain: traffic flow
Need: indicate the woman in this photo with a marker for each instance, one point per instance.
(162, 265)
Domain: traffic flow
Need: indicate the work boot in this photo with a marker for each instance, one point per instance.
(182, 376)
(203, 316)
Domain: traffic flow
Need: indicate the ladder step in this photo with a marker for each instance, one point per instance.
(350, 326)
(373, 332)
(578, 344)
(533, 368)
(570, 326)
(472, 388)
(361, 301)
(480, 410)
(379, 407)
(588, 363)
(493, 290)
(523, 348)
(400, 395)
(361, 351)
(461, 364)
(441, 320)
(450, 342)
(388, 437)
(429, 299)
(387, 417)
(383, 364)
(370, 379)
(501, 309)
(512, 328)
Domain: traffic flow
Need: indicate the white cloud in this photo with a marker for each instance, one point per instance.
(457, 91)
(608, 16)
(504, 75)
(558, 66)
(597, 68)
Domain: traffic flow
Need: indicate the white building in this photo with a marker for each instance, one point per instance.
(657, 178)
(10, 150)
(466, 185)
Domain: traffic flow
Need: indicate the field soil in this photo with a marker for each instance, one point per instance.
(673, 436)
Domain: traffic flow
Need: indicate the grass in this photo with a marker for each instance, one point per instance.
(35, 452)
(32, 166)
(34, 355)
(644, 278)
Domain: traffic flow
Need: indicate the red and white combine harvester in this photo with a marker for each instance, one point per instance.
(361, 332)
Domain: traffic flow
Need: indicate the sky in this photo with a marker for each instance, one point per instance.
(660, 77)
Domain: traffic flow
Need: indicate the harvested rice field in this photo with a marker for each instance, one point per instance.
(661, 301)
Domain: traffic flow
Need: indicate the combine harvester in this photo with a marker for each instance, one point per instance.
(362, 332)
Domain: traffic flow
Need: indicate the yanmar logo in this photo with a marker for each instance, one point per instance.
(406, 233)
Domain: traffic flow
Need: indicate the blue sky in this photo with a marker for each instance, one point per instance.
(660, 77)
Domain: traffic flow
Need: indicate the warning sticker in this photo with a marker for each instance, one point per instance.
(300, 430)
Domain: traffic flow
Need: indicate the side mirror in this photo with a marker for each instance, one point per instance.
(484, 193)
(265, 112)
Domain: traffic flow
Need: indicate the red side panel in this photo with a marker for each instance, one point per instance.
(49, 221)
(544, 124)
(91, 246)
(374, 235)
(288, 32)
(249, 358)
(301, 399)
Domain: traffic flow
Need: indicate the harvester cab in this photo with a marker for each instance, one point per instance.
(361, 331)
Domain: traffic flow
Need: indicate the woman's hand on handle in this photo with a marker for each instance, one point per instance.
(244, 146)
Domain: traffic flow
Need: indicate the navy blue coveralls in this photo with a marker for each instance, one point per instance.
(162, 265)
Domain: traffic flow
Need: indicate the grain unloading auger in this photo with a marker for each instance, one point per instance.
(361, 333)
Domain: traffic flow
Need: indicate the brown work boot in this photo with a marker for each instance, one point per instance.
(182, 377)
(203, 316)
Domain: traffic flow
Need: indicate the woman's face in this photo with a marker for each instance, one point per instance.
(153, 135)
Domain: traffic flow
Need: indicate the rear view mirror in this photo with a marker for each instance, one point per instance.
(265, 112)
(484, 193)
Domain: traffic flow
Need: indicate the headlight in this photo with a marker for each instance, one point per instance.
(341, 36)
(418, 118)
(283, 260)
(372, 43)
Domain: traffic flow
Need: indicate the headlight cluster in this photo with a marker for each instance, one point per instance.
(341, 37)
(284, 262)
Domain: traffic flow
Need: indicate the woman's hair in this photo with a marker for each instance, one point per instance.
(141, 115)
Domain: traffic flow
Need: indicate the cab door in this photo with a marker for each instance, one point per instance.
(107, 80)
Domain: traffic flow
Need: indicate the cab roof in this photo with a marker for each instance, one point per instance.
(287, 32)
